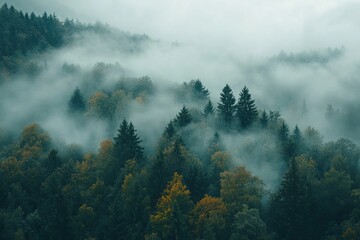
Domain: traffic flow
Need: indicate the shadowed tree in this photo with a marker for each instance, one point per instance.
(169, 131)
(127, 144)
(183, 118)
(77, 103)
(290, 204)
(264, 119)
(226, 106)
(200, 91)
(246, 110)
(209, 109)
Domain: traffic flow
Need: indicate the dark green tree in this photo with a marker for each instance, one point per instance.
(76, 103)
(264, 119)
(209, 109)
(226, 107)
(127, 144)
(246, 110)
(183, 118)
(199, 90)
(283, 136)
(296, 142)
(169, 131)
(290, 204)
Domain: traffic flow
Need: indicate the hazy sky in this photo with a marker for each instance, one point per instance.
(253, 27)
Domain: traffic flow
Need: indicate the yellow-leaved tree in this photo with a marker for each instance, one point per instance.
(171, 219)
(208, 218)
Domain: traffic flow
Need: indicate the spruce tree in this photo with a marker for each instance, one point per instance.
(169, 131)
(127, 144)
(289, 205)
(264, 119)
(76, 103)
(246, 110)
(209, 109)
(183, 118)
(199, 90)
(226, 107)
(283, 135)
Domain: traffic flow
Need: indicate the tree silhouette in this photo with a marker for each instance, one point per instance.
(246, 110)
(76, 103)
(226, 107)
(183, 118)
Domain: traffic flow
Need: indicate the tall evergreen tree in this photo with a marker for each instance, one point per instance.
(183, 118)
(264, 119)
(127, 144)
(246, 110)
(76, 103)
(169, 131)
(200, 91)
(289, 205)
(283, 135)
(226, 107)
(296, 142)
(209, 109)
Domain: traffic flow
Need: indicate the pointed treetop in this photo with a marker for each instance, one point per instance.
(209, 109)
(183, 118)
(76, 103)
(169, 131)
(226, 107)
(246, 110)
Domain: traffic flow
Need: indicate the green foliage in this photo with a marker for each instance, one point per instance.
(238, 188)
(226, 107)
(246, 110)
(248, 225)
(127, 145)
(209, 109)
(76, 103)
(183, 118)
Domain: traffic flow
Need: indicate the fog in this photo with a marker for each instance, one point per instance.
(218, 42)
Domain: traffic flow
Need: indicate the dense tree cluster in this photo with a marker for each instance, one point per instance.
(179, 193)
(190, 185)
(22, 34)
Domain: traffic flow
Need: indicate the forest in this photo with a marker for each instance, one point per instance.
(100, 151)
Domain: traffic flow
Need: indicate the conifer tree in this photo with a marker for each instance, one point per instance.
(127, 144)
(183, 118)
(200, 91)
(246, 110)
(289, 205)
(264, 119)
(226, 107)
(209, 109)
(169, 131)
(77, 103)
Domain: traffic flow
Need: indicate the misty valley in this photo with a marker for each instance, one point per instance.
(108, 134)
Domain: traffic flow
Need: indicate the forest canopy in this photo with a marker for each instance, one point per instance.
(149, 159)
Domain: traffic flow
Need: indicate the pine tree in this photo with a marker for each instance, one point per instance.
(183, 118)
(200, 91)
(226, 107)
(169, 131)
(76, 103)
(289, 205)
(245, 109)
(209, 109)
(283, 135)
(295, 142)
(264, 119)
(127, 144)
